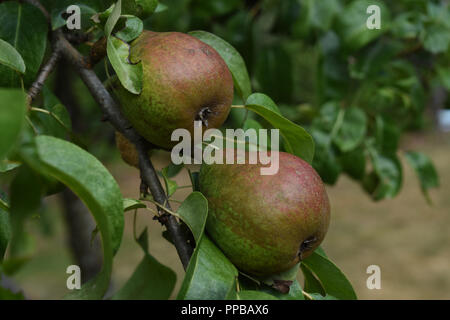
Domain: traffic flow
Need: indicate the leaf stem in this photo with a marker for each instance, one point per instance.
(54, 116)
(135, 225)
(4, 205)
(306, 294)
(338, 124)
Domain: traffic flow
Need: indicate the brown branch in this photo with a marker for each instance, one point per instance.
(45, 72)
(112, 112)
(38, 5)
(98, 52)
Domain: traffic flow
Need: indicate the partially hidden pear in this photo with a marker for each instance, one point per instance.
(127, 150)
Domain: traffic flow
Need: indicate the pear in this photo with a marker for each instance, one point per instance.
(184, 80)
(128, 151)
(265, 224)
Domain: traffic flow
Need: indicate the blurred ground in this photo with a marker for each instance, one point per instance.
(407, 238)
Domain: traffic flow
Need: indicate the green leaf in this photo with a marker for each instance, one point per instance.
(289, 275)
(444, 76)
(194, 180)
(147, 7)
(273, 72)
(248, 283)
(59, 122)
(319, 250)
(232, 58)
(296, 140)
(132, 204)
(316, 14)
(6, 294)
(194, 211)
(327, 118)
(12, 117)
(5, 232)
(130, 75)
(264, 100)
(133, 28)
(8, 165)
(209, 276)
(352, 23)
(406, 25)
(86, 12)
(332, 279)
(171, 185)
(141, 8)
(317, 296)
(352, 130)
(172, 169)
(387, 135)
(10, 57)
(425, 171)
(26, 191)
(3, 203)
(254, 295)
(253, 124)
(150, 281)
(437, 38)
(389, 172)
(325, 161)
(354, 163)
(96, 187)
(312, 284)
(369, 60)
(161, 7)
(53, 119)
(25, 28)
(278, 283)
(102, 17)
(113, 17)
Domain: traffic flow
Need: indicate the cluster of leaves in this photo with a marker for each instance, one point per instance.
(356, 90)
(357, 83)
(41, 155)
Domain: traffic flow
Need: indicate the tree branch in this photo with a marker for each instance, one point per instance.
(112, 112)
(37, 85)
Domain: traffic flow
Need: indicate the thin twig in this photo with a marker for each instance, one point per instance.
(37, 4)
(45, 72)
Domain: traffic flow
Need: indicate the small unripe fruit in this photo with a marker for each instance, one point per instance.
(127, 150)
(265, 224)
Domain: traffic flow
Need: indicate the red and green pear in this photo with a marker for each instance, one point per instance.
(184, 80)
(265, 224)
